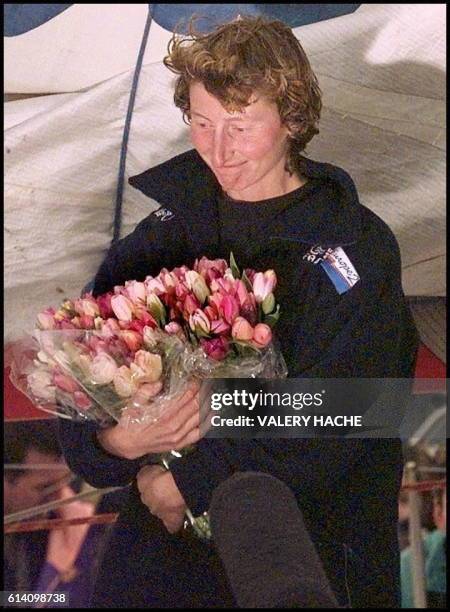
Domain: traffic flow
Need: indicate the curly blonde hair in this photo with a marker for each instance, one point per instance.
(251, 54)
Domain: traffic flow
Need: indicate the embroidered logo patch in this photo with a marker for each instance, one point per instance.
(336, 264)
(164, 214)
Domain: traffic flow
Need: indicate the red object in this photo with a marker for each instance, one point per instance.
(16, 405)
(99, 519)
(425, 485)
(431, 372)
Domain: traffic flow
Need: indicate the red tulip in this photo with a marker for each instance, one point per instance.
(217, 348)
(104, 305)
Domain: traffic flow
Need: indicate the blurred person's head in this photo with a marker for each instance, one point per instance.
(440, 509)
(31, 443)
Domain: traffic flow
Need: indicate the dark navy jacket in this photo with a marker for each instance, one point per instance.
(346, 489)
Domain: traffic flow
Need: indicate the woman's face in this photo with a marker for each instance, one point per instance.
(246, 150)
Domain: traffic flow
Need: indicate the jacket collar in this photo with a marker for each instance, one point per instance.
(187, 187)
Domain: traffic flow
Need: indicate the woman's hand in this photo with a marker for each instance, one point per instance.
(176, 428)
(162, 496)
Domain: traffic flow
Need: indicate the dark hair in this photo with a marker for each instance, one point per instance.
(21, 436)
(248, 55)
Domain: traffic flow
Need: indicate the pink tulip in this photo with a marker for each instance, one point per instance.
(219, 326)
(147, 367)
(123, 307)
(210, 268)
(67, 325)
(104, 305)
(124, 383)
(262, 335)
(97, 345)
(215, 301)
(90, 307)
(241, 292)
(87, 322)
(263, 284)
(229, 308)
(170, 281)
(222, 285)
(154, 285)
(211, 312)
(136, 291)
(173, 328)
(110, 328)
(180, 273)
(144, 316)
(82, 401)
(137, 326)
(181, 291)
(46, 320)
(64, 382)
(242, 330)
(78, 307)
(102, 369)
(132, 339)
(217, 348)
(190, 306)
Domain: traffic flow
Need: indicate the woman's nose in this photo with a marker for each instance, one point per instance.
(222, 148)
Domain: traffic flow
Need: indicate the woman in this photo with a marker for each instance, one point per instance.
(253, 103)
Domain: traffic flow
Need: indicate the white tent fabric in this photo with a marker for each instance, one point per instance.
(382, 72)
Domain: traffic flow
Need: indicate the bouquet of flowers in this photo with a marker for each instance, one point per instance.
(122, 355)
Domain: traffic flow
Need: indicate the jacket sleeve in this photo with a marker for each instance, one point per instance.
(153, 244)
(141, 253)
(87, 458)
(367, 333)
